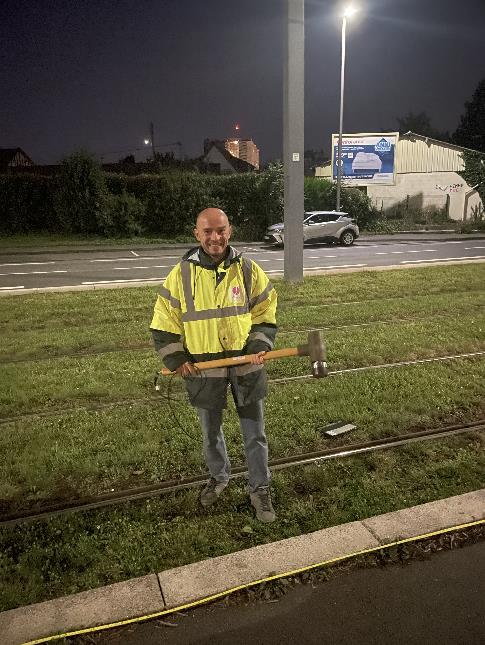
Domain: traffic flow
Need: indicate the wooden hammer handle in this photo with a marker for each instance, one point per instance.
(242, 360)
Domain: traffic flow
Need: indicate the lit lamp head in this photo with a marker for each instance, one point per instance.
(349, 11)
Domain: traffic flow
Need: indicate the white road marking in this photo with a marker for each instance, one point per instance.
(328, 266)
(32, 272)
(397, 252)
(424, 251)
(319, 257)
(123, 281)
(469, 248)
(381, 253)
(135, 254)
(158, 257)
(156, 266)
(335, 266)
(465, 257)
(23, 264)
(19, 287)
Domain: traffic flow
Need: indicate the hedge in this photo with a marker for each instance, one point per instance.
(83, 199)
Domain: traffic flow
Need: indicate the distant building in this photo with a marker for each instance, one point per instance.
(13, 158)
(218, 158)
(244, 149)
(425, 176)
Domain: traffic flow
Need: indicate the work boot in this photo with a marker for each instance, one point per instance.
(261, 500)
(211, 492)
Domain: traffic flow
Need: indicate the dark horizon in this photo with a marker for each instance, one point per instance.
(94, 75)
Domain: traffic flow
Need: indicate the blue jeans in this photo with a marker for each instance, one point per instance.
(251, 420)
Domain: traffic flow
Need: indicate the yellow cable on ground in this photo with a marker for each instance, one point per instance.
(250, 584)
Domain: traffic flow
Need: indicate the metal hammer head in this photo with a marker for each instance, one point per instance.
(318, 354)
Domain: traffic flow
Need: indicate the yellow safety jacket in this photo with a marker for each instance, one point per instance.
(204, 312)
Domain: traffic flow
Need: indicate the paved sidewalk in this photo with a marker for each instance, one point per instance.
(192, 584)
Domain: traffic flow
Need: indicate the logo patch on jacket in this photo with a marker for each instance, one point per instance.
(235, 294)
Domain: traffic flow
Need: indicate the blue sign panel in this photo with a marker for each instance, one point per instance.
(366, 158)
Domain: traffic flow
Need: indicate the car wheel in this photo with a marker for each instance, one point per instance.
(347, 238)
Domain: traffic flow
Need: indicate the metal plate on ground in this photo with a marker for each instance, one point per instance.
(339, 427)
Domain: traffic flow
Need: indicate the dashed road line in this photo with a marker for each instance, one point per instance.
(158, 257)
(158, 279)
(32, 272)
(23, 264)
(156, 266)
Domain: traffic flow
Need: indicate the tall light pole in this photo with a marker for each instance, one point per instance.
(349, 11)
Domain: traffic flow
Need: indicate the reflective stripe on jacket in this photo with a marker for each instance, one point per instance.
(205, 312)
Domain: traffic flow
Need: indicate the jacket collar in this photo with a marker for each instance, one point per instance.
(198, 257)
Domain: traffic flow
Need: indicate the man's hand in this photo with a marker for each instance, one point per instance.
(257, 359)
(186, 369)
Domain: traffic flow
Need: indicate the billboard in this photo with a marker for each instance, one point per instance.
(367, 158)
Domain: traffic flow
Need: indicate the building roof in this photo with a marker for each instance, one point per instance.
(8, 154)
(415, 135)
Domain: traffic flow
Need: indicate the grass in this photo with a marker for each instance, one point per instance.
(401, 315)
(52, 240)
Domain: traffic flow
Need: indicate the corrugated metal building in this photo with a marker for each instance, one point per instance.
(426, 173)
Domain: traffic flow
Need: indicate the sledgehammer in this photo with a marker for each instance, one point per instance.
(315, 349)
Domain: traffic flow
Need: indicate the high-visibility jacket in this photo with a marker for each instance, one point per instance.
(204, 312)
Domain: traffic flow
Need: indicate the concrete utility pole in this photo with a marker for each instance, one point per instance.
(293, 139)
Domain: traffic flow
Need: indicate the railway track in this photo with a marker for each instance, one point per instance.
(155, 490)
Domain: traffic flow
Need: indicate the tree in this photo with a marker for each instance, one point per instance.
(80, 193)
(474, 172)
(420, 123)
(471, 131)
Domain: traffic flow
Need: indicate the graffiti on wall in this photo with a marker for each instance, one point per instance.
(450, 188)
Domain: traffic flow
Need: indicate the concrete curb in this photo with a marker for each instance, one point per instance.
(154, 594)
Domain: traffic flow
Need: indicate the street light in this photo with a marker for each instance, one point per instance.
(349, 11)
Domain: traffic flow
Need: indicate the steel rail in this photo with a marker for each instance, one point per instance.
(382, 366)
(282, 332)
(123, 402)
(317, 457)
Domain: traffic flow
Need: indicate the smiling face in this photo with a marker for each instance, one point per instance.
(213, 231)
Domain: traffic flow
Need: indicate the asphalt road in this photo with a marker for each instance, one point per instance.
(440, 601)
(122, 266)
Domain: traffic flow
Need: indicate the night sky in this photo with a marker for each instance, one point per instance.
(94, 73)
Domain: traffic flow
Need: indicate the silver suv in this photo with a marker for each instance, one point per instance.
(329, 226)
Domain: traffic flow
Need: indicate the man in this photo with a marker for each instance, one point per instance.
(217, 304)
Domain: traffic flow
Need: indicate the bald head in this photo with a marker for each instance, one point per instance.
(213, 231)
(214, 215)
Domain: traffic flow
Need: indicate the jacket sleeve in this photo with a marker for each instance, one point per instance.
(166, 325)
(262, 305)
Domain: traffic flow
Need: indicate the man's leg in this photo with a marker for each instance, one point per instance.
(251, 418)
(215, 454)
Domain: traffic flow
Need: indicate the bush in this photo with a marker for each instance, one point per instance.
(121, 216)
(321, 194)
(26, 204)
(79, 194)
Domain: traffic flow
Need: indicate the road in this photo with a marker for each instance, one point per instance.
(440, 601)
(121, 266)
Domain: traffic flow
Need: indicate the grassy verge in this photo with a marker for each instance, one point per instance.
(397, 316)
(33, 240)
